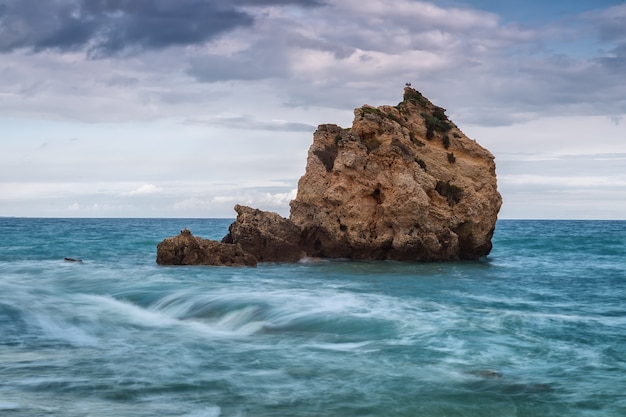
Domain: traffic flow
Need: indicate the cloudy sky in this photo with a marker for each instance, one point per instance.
(182, 108)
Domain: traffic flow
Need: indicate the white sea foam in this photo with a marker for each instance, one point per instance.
(344, 347)
(109, 309)
(9, 406)
(60, 329)
(244, 319)
(214, 411)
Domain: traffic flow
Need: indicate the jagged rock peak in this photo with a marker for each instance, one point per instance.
(403, 183)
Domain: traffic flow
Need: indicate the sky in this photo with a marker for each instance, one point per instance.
(184, 108)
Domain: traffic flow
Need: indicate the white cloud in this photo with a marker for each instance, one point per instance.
(265, 201)
(277, 200)
(144, 190)
(192, 204)
(95, 208)
(576, 182)
(223, 203)
(248, 122)
(419, 14)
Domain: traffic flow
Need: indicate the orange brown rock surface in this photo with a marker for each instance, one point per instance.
(403, 183)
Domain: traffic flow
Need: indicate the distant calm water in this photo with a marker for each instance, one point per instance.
(536, 329)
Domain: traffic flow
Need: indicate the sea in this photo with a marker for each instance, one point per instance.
(537, 328)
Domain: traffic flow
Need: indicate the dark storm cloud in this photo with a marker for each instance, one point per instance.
(612, 31)
(616, 62)
(302, 3)
(29, 23)
(266, 58)
(214, 68)
(610, 23)
(109, 27)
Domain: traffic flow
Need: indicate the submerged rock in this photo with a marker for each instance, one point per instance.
(73, 260)
(186, 249)
(404, 183)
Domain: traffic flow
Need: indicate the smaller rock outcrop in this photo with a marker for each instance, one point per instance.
(186, 249)
(265, 235)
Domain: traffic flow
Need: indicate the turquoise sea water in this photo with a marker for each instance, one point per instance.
(536, 329)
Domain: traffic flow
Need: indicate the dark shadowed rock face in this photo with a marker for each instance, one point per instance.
(255, 236)
(186, 249)
(266, 235)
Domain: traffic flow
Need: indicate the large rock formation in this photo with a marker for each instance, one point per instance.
(404, 183)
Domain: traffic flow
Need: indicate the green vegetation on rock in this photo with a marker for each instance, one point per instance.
(451, 192)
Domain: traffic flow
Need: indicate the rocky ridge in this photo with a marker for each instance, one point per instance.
(403, 183)
(187, 249)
